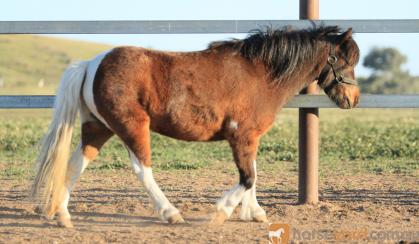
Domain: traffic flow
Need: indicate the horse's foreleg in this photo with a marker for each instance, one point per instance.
(244, 152)
(250, 209)
(94, 135)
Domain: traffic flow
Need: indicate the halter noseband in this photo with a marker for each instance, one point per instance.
(339, 77)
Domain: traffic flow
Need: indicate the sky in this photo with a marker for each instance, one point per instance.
(218, 10)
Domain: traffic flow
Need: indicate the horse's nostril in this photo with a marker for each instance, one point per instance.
(356, 101)
(348, 102)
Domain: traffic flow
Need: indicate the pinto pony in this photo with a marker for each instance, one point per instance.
(229, 91)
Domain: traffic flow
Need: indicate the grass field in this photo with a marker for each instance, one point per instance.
(377, 141)
(26, 60)
(380, 141)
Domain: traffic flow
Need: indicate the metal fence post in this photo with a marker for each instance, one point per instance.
(308, 165)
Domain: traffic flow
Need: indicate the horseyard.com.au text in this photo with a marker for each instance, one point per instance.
(352, 235)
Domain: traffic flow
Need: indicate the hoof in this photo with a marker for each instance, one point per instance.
(47, 218)
(65, 223)
(260, 218)
(38, 209)
(176, 219)
(219, 218)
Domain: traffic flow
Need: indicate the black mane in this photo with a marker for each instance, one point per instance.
(282, 51)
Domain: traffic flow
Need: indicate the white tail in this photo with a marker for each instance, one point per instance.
(50, 180)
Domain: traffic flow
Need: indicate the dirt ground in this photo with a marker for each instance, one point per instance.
(111, 206)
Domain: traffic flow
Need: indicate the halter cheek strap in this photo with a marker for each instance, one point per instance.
(339, 77)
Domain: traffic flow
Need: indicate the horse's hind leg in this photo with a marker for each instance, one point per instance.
(94, 135)
(244, 151)
(162, 205)
(76, 165)
(136, 136)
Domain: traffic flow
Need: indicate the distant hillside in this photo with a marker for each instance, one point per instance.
(33, 64)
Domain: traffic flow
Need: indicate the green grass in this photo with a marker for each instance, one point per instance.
(352, 142)
(377, 141)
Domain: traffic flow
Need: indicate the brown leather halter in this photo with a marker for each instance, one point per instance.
(339, 77)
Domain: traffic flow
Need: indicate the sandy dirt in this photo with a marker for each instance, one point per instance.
(111, 206)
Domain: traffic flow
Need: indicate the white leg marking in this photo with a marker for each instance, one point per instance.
(231, 199)
(76, 166)
(161, 203)
(250, 207)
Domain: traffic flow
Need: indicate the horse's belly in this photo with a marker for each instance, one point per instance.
(185, 130)
(189, 119)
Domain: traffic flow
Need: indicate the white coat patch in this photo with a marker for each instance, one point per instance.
(88, 86)
(234, 125)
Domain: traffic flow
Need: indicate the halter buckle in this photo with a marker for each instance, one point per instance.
(340, 78)
(332, 59)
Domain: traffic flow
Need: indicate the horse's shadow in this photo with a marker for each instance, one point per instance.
(375, 196)
(268, 197)
(15, 217)
(124, 220)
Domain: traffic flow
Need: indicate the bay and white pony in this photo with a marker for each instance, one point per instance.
(230, 91)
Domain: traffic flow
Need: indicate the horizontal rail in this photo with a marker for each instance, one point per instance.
(366, 101)
(299, 101)
(196, 26)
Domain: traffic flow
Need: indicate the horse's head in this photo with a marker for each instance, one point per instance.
(337, 78)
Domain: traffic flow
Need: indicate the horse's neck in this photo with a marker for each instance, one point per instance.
(301, 77)
(313, 67)
(309, 70)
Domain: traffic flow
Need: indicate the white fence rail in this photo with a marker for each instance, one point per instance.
(299, 101)
(211, 26)
(196, 26)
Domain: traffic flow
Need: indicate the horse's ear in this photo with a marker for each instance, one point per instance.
(344, 36)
